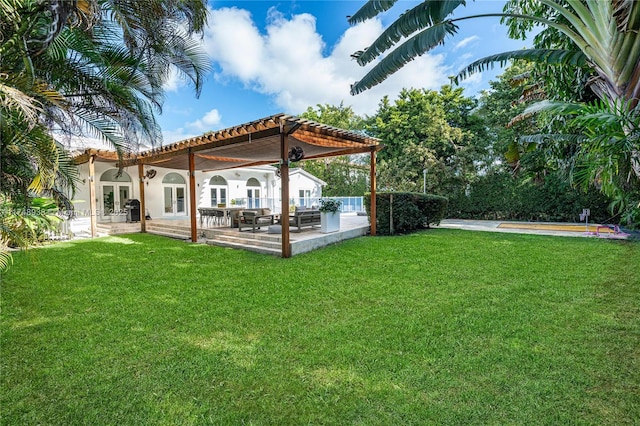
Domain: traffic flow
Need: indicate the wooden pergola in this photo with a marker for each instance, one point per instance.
(261, 142)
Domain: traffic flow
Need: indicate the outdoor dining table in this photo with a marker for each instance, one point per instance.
(224, 212)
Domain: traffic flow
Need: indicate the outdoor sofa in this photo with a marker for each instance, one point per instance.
(255, 219)
(235, 214)
(303, 218)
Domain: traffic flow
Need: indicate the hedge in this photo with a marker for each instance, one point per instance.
(499, 196)
(411, 211)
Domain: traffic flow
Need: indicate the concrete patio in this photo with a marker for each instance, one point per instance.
(310, 238)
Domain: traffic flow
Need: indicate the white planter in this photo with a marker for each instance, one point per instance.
(329, 222)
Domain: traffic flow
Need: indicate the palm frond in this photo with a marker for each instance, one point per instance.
(423, 15)
(542, 138)
(5, 258)
(12, 98)
(548, 56)
(406, 52)
(370, 9)
(560, 108)
(622, 13)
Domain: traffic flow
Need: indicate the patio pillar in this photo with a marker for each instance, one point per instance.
(373, 191)
(192, 196)
(92, 195)
(143, 210)
(284, 184)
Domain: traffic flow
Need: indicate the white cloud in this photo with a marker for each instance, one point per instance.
(208, 121)
(466, 42)
(286, 61)
(174, 82)
(177, 135)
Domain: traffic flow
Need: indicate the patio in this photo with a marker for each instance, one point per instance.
(351, 226)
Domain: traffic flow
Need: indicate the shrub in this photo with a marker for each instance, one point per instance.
(408, 212)
(498, 196)
(329, 205)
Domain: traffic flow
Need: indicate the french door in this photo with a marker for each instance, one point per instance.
(253, 198)
(114, 196)
(175, 200)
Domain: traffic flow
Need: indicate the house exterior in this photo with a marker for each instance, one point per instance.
(166, 190)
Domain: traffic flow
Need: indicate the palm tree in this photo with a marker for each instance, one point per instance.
(83, 67)
(604, 34)
(107, 60)
(599, 36)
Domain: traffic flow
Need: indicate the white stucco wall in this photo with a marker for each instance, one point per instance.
(236, 185)
(299, 181)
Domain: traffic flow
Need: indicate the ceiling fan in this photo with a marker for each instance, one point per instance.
(296, 153)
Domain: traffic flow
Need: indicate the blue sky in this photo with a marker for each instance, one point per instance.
(283, 56)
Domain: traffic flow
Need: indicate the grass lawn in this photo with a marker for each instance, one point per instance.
(445, 326)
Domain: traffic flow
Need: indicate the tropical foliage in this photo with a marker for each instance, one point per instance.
(425, 130)
(602, 34)
(593, 48)
(86, 68)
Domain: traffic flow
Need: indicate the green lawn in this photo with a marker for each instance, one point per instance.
(446, 327)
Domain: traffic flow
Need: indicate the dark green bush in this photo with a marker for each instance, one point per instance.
(499, 196)
(411, 211)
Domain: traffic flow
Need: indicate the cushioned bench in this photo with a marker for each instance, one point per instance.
(303, 218)
(235, 214)
(252, 219)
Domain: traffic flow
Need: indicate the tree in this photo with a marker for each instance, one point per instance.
(426, 130)
(86, 67)
(603, 36)
(98, 66)
(597, 40)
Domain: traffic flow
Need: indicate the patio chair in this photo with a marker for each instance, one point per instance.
(220, 216)
(253, 220)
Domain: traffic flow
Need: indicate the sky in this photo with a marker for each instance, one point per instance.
(270, 57)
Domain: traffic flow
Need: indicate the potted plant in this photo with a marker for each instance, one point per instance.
(329, 215)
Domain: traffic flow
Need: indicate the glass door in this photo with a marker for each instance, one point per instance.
(175, 200)
(218, 196)
(253, 196)
(181, 205)
(124, 194)
(114, 199)
(168, 200)
(108, 201)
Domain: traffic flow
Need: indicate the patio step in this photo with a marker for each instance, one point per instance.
(257, 242)
(168, 226)
(171, 231)
(117, 228)
(243, 245)
(274, 244)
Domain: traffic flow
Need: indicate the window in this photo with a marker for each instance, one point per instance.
(173, 178)
(218, 190)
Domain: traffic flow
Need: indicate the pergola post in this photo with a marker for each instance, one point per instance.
(373, 191)
(143, 210)
(284, 185)
(92, 196)
(192, 197)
